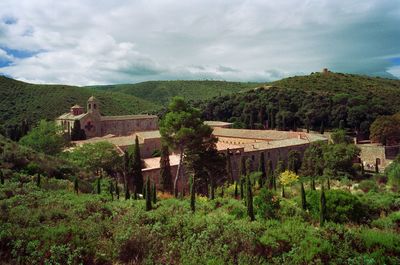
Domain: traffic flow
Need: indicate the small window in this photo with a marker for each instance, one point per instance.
(90, 106)
(94, 106)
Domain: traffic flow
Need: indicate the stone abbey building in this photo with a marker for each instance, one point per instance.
(96, 125)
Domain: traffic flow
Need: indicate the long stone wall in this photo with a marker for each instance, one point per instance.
(127, 127)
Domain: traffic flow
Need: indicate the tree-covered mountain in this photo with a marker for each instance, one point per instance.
(23, 101)
(318, 100)
(161, 92)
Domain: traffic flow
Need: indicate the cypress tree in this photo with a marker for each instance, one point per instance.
(222, 191)
(280, 167)
(137, 166)
(313, 184)
(249, 201)
(1, 177)
(328, 183)
(322, 128)
(242, 169)
(148, 195)
(127, 193)
(77, 133)
(270, 175)
(341, 124)
(283, 191)
(229, 166)
(112, 190)
(212, 189)
(376, 167)
(236, 189)
(322, 207)
(154, 193)
(166, 183)
(192, 194)
(272, 120)
(98, 189)
(261, 166)
(117, 189)
(38, 180)
(249, 166)
(76, 185)
(303, 197)
(241, 189)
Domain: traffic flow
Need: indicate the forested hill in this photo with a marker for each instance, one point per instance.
(314, 101)
(19, 101)
(161, 92)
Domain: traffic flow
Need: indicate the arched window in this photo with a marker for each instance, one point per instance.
(94, 106)
(90, 106)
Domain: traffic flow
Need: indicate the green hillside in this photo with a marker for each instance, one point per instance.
(313, 101)
(19, 101)
(162, 91)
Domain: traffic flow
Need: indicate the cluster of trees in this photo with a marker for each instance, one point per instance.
(386, 129)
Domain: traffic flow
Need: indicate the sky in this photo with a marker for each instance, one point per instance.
(89, 42)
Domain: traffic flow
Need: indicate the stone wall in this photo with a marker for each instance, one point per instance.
(127, 127)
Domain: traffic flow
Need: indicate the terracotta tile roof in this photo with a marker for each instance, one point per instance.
(118, 141)
(69, 116)
(254, 134)
(127, 117)
(154, 162)
(149, 134)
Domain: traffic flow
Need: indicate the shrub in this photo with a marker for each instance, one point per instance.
(367, 185)
(341, 206)
(266, 204)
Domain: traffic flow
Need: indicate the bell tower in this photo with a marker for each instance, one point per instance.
(93, 106)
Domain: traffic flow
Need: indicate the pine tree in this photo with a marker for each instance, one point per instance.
(192, 194)
(242, 169)
(341, 124)
(1, 177)
(112, 190)
(303, 197)
(77, 133)
(154, 193)
(322, 128)
(38, 180)
(148, 195)
(117, 189)
(127, 193)
(229, 166)
(270, 175)
(137, 166)
(262, 169)
(98, 188)
(166, 183)
(76, 185)
(236, 189)
(249, 201)
(241, 188)
(322, 207)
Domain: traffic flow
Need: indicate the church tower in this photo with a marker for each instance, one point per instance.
(93, 106)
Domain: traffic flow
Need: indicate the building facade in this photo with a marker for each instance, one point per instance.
(96, 125)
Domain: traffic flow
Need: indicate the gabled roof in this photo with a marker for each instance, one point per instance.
(69, 116)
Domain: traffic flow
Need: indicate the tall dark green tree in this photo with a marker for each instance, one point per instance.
(322, 128)
(270, 175)
(148, 195)
(236, 189)
(249, 199)
(98, 186)
(38, 179)
(229, 166)
(242, 168)
(166, 183)
(303, 196)
(313, 162)
(76, 184)
(1, 177)
(154, 193)
(294, 161)
(111, 190)
(127, 193)
(117, 189)
(137, 166)
(249, 166)
(322, 207)
(77, 133)
(241, 188)
(280, 167)
(262, 169)
(192, 194)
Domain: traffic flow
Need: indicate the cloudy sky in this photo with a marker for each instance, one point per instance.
(86, 42)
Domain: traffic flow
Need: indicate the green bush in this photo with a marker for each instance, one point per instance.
(367, 185)
(341, 206)
(266, 204)
(392, 221)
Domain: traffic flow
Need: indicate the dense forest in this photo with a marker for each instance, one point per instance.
(319, 100)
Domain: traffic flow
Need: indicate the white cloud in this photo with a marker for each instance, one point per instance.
(97, 42)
